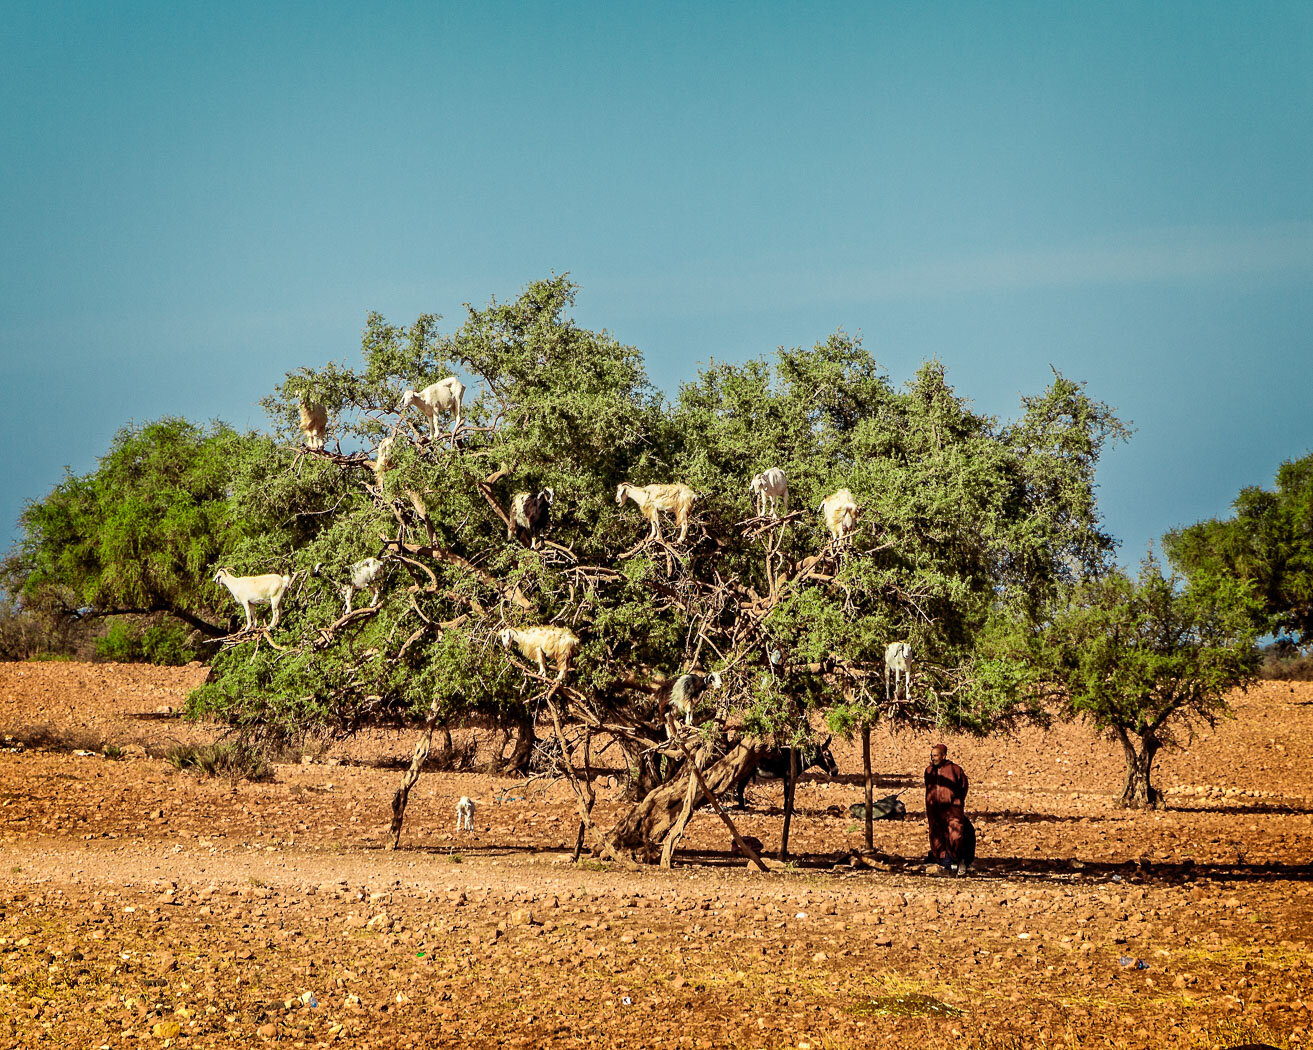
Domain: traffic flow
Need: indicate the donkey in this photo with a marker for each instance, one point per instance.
(777, 762)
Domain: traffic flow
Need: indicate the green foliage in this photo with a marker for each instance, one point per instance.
(963, 517)
(1267, 544)
(127, 641)
(967, 523)
(1142, 658)
(141, 532)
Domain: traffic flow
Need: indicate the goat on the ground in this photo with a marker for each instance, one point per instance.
(530, 517)
(464, 814)
(542, 644)
(442, 398)
(778, 762)
(255, 590)
(771, 487)
(674, 499)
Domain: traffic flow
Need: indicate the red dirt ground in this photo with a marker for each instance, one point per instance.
(147, 907)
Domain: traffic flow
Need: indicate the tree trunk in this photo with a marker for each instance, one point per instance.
(1139, 792)
(686, 810)
(870, 786)
(402, 795)
(496, 763)
(644, 771)
(522, 751)
(648, 821)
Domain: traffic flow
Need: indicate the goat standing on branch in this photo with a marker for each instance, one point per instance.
(674, 499)
(771, 486)
(255, 590)
(530, 517)
(441, 398)
(542, 644)
(366, 573)
(680, 694)
(314, 424)
(840, 512)
(898, 662)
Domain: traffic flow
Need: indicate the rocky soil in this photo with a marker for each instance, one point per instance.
(143, 906)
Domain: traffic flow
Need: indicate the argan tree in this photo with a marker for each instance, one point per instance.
(1267, 544)
(1146, 659)
(964, 519)
(140, 533)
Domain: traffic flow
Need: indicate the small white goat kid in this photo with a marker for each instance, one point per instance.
(840, 513)
(465, 814)
(442, 398)
(771, 486)
(898, 662)
(542, 644)
(364, 574)
(255, 590)
(674, 499)
(313, 423)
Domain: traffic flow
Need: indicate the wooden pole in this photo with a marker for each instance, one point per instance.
(790, 787)
(870, 785)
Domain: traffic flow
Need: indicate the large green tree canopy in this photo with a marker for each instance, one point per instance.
(964, 519)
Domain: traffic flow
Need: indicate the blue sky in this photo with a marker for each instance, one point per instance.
(198, 198)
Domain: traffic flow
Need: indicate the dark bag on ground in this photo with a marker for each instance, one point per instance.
(888, 808)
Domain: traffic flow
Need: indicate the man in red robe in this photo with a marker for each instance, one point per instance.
(945, 797)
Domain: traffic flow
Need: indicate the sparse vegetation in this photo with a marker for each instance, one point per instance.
(236, 759)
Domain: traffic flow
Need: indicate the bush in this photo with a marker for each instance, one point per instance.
(235, 759)
(1283, 662)
(160, 643)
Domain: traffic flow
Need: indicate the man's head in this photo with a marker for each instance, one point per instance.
(938, 755)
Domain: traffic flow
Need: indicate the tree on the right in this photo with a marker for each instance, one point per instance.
(1146, 659)
(1268, 544)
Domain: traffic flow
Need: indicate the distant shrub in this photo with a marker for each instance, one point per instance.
(160, 643)
(234, 759)
(1283, 662)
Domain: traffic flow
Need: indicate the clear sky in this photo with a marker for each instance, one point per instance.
(198, 198)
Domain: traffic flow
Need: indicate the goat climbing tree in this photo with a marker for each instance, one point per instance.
(963, 519)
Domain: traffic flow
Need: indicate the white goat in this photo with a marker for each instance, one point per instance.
(542, 644)
(364, 574)
(840, 512)
(441, 398)
(255, 590)
(382, 461)
(652, 499)
(465, 814)
(314, 424)
(898, 662)
(773, 487)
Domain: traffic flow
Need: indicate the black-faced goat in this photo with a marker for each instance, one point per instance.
(530, 517)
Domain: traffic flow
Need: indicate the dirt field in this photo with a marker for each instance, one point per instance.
(146, 907)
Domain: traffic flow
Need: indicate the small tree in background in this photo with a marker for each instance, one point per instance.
(1267, 544)
(1145, 659)
(140, 533)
